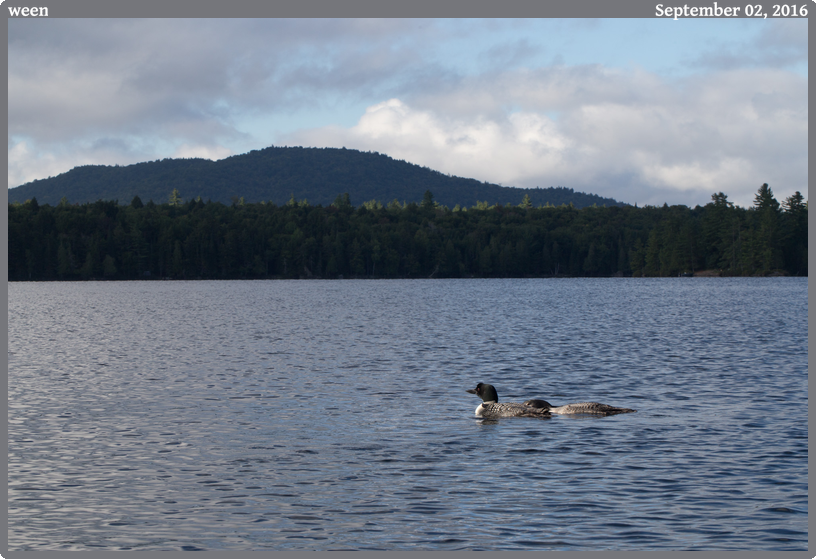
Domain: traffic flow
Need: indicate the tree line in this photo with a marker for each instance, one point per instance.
(210, 240)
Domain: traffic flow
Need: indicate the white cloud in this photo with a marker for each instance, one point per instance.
(523, 142)
(25, 166)
(205, 152)
(28, 161)
(631, 136)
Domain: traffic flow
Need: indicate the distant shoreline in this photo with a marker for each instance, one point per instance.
(701, 274)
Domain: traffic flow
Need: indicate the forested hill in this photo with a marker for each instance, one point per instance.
(275, 174)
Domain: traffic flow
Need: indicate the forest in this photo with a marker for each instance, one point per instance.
(194, 239)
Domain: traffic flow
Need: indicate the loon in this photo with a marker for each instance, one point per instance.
(581, 407)
(490, 408)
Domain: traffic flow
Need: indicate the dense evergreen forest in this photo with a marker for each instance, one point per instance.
(274, 174)
(194, 239)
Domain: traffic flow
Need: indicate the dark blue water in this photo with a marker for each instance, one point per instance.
(333, 415)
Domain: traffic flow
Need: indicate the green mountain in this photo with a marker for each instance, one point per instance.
(275, 174)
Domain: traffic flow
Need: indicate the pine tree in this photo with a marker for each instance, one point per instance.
(721, 233)
(770, 257)
(427, 200)
(794, 204)
(175, 198)
(794, 237)
(343, 201)
(764, 198)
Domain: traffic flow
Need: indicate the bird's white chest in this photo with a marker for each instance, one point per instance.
(480, 411)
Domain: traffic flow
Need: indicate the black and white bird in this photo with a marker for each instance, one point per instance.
(491, 408)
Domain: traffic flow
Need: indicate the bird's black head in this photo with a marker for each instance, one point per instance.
(486, 392)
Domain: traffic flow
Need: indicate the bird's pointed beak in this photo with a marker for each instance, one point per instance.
(471, 391)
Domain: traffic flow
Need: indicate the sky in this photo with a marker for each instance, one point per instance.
(646, 111)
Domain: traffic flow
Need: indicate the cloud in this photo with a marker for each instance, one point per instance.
(24, 166)
(195, 81)
(449, 145)
(145, 75)
(173, 78)
(204, 152)
(122, 91)
(629, 135)
(510, 54)
(779, 43)
(28, 161)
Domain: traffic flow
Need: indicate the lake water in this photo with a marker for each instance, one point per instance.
(333, 415)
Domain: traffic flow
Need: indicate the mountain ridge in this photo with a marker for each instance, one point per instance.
(275, 174)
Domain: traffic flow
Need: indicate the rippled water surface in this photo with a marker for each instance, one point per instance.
(333, 415)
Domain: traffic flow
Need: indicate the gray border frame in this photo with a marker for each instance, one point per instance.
(368, 8)
(352, 8)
